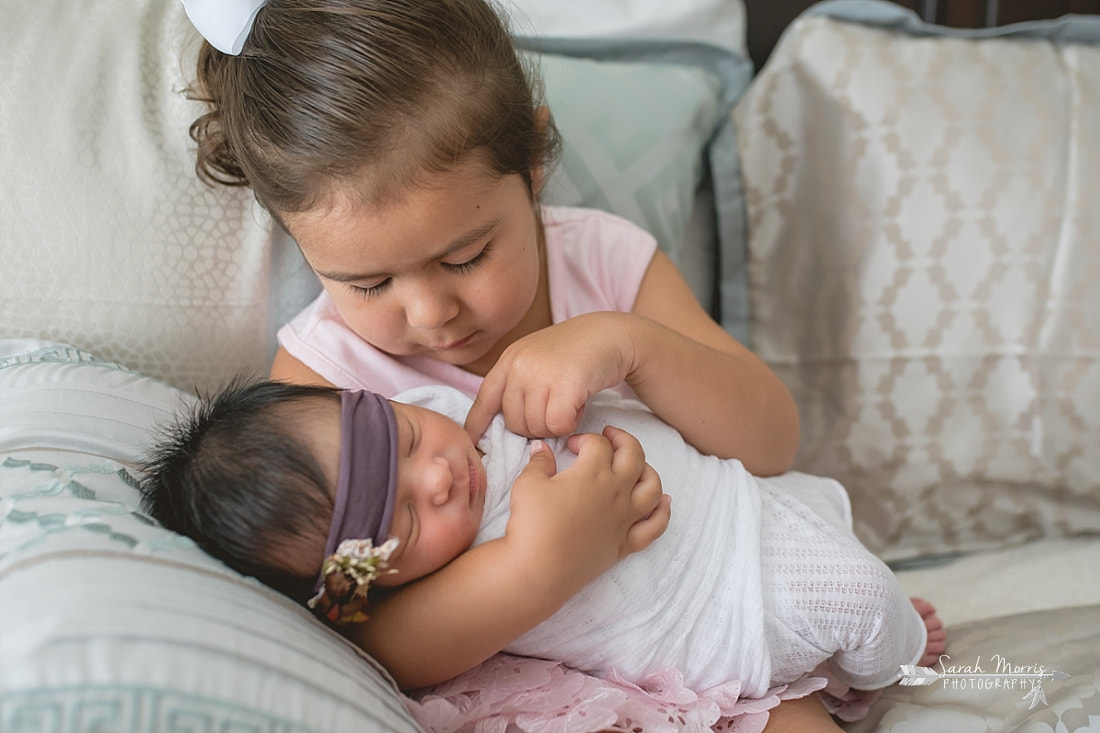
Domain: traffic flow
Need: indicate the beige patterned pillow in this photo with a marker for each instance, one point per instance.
(925, 275)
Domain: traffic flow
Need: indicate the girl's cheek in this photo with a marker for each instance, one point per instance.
(367, 318)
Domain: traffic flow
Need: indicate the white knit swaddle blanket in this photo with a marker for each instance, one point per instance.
(672, 604)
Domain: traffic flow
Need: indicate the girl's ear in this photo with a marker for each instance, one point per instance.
(538, 168)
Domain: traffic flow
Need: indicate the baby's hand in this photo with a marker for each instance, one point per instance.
(542, 381)
(649, 505)
(576, 524)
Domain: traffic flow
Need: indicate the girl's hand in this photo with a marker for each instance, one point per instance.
(574, 525)
(685, 367)
(543, 380)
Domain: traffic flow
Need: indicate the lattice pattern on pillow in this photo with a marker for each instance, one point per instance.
(108, 239)
(923, 264)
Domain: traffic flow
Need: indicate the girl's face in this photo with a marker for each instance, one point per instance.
(451, 270)
(440, 493)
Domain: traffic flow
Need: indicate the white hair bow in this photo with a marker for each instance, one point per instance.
(225, 24)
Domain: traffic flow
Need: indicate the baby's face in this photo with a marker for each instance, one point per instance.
(440, 493)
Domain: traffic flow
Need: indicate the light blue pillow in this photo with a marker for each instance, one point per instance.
(647, 173)
(647, 135)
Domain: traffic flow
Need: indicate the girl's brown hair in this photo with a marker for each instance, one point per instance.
(375, 92)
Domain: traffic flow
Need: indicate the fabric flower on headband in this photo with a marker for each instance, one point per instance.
(347, 575)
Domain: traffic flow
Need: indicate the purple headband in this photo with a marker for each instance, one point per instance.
(368, 471)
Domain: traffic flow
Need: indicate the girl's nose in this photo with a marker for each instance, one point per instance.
(428, 306)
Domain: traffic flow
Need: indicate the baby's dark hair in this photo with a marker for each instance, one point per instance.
(238, 475)
(381, 92)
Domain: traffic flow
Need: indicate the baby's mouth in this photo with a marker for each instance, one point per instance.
(474, 484)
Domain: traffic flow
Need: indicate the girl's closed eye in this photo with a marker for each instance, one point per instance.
(370, 291)
(471, 263)
(373, 291)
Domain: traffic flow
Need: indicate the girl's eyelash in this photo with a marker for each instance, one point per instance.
(372, 292)
(461, 267)
(470, 264)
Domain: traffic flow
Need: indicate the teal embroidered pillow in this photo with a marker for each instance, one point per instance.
(109, 622)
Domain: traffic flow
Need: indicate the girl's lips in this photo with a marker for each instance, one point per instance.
(455, 345)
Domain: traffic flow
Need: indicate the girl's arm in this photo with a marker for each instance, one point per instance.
(564, 530)
(721, 397)
(287, 368)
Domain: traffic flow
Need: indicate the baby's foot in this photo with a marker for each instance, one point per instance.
(937, 635)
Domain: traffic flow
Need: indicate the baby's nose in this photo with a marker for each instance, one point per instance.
(441, 479)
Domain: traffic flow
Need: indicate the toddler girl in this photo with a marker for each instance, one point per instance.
(401, 143)
(756, 580)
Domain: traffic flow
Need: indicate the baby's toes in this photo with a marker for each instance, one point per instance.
(924, 608)
(929, 658)
(934, 647)
(937, 641)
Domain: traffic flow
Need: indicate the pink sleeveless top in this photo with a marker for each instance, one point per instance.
(595, 262)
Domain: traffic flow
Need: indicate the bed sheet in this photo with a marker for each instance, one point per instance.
(1037, 672)
(1040, 575)
(1008, 612)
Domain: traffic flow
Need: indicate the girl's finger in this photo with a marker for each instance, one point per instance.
(562, 412)
(534, 413)
(487, 403)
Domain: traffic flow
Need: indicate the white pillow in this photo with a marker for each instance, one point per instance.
(719, 22)
(110, 622)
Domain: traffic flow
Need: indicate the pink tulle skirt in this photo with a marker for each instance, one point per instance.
(506, 694)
